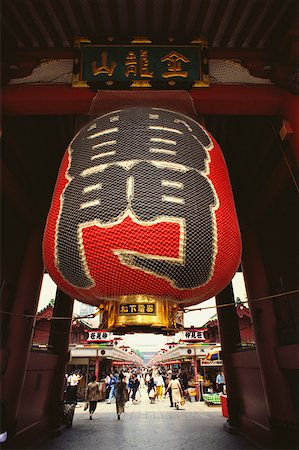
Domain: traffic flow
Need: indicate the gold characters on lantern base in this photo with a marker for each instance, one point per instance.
(141, 314)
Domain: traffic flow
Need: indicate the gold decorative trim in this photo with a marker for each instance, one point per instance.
(140, 84)
(79, 40)
(141, 40)
(79, 83)
(198, 40)
(201, 83)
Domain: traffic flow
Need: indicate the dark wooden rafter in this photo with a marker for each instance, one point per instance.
(157, 19)
(112, 16)
(254, 13)
(182, 31)
(165, 23)
(235, 17)
(83, 26)
(201, 17)
(75, 22)
(176, 20)
(131, 17)
(274, 12)
(139, 16)
(191, 19)
(97, 19)
(16, 23)
(41, 16)
(8, 35)
(217, 19)
(63, 18)
(92, 27)
(28, 20)
(148, 18)
(281, 42)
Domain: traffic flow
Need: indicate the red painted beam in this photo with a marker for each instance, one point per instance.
(65, 100)
(245, 100)
(45, 99)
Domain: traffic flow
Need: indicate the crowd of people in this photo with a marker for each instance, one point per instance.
(126, 385)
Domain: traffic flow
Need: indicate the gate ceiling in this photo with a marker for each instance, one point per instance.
(226, 24)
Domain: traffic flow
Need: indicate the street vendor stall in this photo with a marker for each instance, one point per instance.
(212, 399)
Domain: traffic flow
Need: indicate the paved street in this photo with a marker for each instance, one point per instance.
(148, 426)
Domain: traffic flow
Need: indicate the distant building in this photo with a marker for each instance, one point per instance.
(245, 326)
(43, 325)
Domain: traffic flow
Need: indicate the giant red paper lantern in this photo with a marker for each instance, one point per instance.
(142, 205)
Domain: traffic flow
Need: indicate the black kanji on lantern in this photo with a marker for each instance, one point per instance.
(154, 164)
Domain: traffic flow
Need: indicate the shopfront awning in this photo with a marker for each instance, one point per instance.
(122, 363)
(170, 363)
(105, 352)
(182, 352)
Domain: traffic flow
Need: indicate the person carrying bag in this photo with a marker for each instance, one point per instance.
(92, 396)
(177, 392)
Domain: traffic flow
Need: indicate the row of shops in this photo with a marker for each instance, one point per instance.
(99, 352)
(99, 356)
(197, 361)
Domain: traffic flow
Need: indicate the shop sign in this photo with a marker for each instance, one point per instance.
(122, 363)
(192, 335)
(140, 64)
(99, 336)
(169, 363)
(208, 362)
(137, 308)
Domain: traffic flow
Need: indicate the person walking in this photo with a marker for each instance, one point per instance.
(112, 383)
(121, 395)
(220, 381)
(92, 395)
(72, 386)
(168, 379)
(134, 387)
(176, 389)
(151, 388)
(159, 386)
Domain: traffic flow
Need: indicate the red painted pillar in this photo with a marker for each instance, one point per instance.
(97, 368)
(21, 321)
(277, 391)
(290, 112)
(230, 340)
(59, 341)
(196, 376)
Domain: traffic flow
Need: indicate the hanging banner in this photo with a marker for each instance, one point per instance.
(140, 65)
(99, 336)
(122, 363)
(193, 334)
(170, 363)
(210, 363)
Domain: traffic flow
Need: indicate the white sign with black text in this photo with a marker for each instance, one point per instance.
(211, 362)
(192, 335)
(99, 336)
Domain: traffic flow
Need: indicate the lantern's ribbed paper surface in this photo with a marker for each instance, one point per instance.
(142, 205)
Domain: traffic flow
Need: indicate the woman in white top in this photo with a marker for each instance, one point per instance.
(176, 390)
(159, 386)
